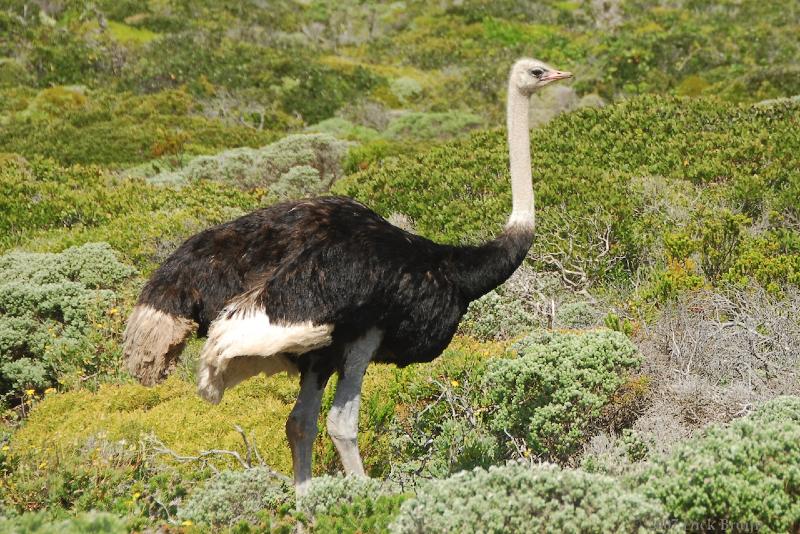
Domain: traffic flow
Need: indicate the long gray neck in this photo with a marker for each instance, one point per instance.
(480, 269)
(519, 146)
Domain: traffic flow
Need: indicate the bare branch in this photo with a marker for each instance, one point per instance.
(203, 457)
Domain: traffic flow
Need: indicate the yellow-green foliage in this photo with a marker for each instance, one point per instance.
(129, 34)
(48, 208)
(174, 413)
(76, 124)
(91, 522)
(12, 73)
(171, 411)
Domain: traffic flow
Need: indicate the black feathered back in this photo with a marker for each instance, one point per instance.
(332, 260)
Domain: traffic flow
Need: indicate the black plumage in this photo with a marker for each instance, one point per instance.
(332, 260)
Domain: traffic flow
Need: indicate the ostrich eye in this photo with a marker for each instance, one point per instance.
(537, 72)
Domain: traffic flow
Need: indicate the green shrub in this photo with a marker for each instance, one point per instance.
(496, 316)
(344, 129)
(519, 498)
(48, 207)
(718, 238)
(374, 153)
(405, 88)
(83, 523)
(439, 428)
(780, 410)
(98, 474)
(771, 259)
(74, 124)
(350, 504)
(668, 283)
(261, 405)
(329, 491)
(49, 303)
(551, 394)
(576, 315)
(745, 476)
(296, 165)
(93, 265)
(547, 402)
(235, 496)
(62, 422)
(426, 126)
(302, 181)
(12, 73)
(365, 514)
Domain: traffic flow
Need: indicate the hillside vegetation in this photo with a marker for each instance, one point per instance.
(639, 373)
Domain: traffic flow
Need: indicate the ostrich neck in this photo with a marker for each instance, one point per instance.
(519, 149)
(481, 269)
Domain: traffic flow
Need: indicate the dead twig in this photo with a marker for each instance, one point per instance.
(204, 456)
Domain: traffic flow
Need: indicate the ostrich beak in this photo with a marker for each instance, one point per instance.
(556, 75)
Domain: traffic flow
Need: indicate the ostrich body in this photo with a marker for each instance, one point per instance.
(325, 286)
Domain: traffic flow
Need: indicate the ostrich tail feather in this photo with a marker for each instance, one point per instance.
(152, 342)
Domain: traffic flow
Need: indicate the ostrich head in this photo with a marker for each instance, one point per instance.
(529, 75)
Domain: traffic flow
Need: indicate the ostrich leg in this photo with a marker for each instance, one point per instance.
(343, 416)
(301, 427)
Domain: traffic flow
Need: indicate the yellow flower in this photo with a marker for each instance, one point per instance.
(43, 464)
(113, 311)
(187, 523)
(454, 383)
(48, 391)
(5, 448)
(30, 392)
(136, 495)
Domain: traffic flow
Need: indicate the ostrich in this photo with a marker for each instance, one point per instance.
(323, 286)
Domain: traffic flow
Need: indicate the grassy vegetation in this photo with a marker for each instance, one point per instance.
(644, 348)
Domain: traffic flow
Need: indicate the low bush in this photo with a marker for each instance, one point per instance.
(63, 422)
(261, 406)
(328, 491)
(405, 89)
(422, 126)
(83, 523)
(546, 400)
(344, 129)
(366, 514)
(576, 315)
(93, 265)
(743, 477)
(50, 304)
(439, 428)
(497, 316)
(296, 165)
(234, 496)
(520, 498)
(47, 207)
